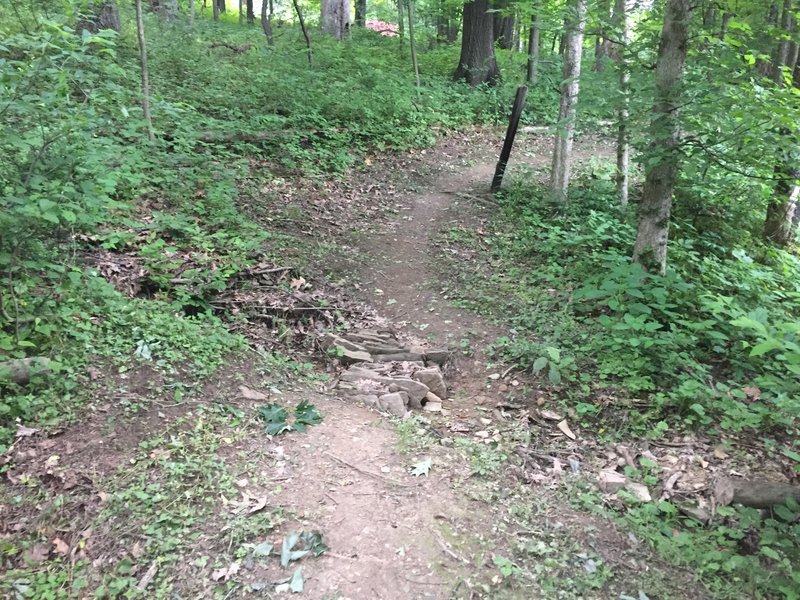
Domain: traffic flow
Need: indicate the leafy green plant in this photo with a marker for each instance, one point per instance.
(276, 418)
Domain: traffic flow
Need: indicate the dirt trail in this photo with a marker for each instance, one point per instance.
(387, 539)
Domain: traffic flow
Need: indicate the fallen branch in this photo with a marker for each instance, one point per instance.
(755, 493)
(370, 473)
(236, 49)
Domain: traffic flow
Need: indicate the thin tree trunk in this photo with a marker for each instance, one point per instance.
(215, 9)
(266, 23)
(145, 73)
(622, 27)
(410, 4)
(562, 152)
(603, 46)
(650, 249)
(779, 226)
(477, 63)
(533, 48)
(503, 24)
(191, 12)
(361, 12)
(400, 23)
(241, 12)
(251, 15)
(303, 28)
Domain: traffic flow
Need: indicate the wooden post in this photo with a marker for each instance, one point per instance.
(511, 132)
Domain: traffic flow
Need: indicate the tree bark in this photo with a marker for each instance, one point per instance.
(145, 73)
(361, 12)
(622, 29)
(650, 249)
(105, 16)
(503, 25)
(335, 17)
(251, 16)
(400, 24)
(477, 63)
(755, 494)
(411, 41)
(562, 152)
(603, 47)
(779, 225)
(304, 30)
(191, 12)
(533, 48)
(215, 10)
(266, 23)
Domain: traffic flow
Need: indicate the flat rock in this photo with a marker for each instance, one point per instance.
(639, 490)
(611, 481)
(401, 357)
(394, 403)
(350, 357)
(368, 399)
(433, 378)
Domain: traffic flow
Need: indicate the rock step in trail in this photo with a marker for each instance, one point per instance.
(388, 375)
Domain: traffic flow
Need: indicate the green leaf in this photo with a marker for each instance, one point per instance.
(764, 347)
(770, 553)
(296, 583)
(539, 364)
(306, 414)
(275, 418)
(554, 375)
(422, 467)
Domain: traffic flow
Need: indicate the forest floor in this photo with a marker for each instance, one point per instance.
(156, 494)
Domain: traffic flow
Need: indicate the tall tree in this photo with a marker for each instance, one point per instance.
(266, 23)
(412, 41)
(534, 41)
(304, 30)
(622, 30)
(779, 226)
(603, 43)
(215, 10)
(251, 16)
(570, 86)
(503, 24)
(477, 63)
(361, 12)
(145, 73)
(650, 249)
(335, 17)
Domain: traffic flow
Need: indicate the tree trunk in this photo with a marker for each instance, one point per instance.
(503, 25)
(533, 48)
(603, 48)
(623, 31)
(104, 15)
(411, 41)
(304, 30)
(241, 12)
(251, 16)
(650, 249)
(779, 227)
(266, 23)
(477, 63)
(145, 73)
(215, 9)
(755, 494)
(361, 12)
(191, 12)
(562, 152)
(400, 23)
(335, 17)
(221, 5)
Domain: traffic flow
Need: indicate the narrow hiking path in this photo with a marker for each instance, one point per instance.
(191, 495)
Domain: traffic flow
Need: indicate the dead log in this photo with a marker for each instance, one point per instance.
(235, 49)
(753, 493)
(20, 371)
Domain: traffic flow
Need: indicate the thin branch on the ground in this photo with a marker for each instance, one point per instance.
(370, 473)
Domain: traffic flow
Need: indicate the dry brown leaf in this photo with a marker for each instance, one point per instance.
(250, 394)
(61, 547)
(260, 504)
(23, 431)
(564, 428)
(752, 392)
(37, 553)
(550, 415)
(224, 573)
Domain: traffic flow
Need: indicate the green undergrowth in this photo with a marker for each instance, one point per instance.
(714, 342)
(113, 246)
